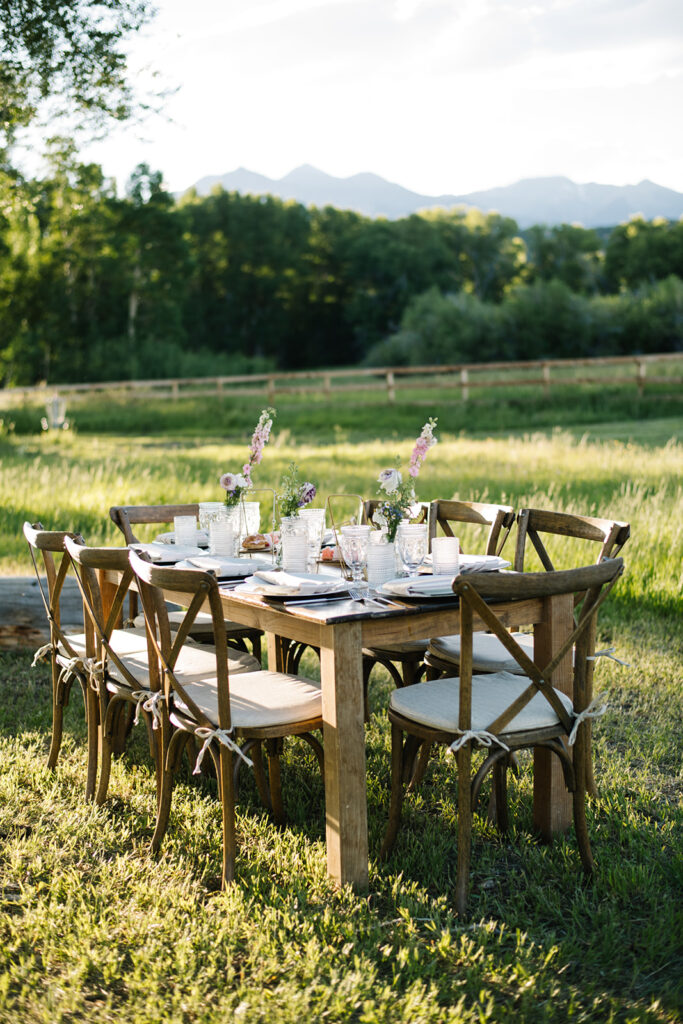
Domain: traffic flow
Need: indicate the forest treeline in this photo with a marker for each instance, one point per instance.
(94, 286)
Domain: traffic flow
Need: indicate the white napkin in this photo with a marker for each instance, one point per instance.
(482, 563)
(166, 553)
(420, 586)
(286, 584)
(224, 566)
(169, 538)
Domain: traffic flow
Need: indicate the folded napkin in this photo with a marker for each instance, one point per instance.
(482, 563)
(286, 584)
(166, 553)
(169, 538)
(224, 566)
(442, 586)
(420, 586)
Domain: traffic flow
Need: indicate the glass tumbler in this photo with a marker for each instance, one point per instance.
(445, 556)
(294, 544)
(185, 530)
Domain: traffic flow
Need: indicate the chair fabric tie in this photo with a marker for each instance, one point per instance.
(75, 666)
(148, 700)
(224, 737)
(592, 711)
(486, 739)
(43, 653)
(608, 653)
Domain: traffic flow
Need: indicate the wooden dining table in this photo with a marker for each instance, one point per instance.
(340, 630)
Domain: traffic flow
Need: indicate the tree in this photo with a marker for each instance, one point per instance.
(69, 53)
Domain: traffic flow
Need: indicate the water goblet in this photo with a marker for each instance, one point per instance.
(411, 541)
(354, 547)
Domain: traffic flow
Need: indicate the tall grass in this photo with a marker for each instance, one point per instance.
(92, 928)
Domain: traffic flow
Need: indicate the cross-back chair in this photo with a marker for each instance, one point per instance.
(502, 712)
(231, 715)
(120, 675)
(66, 652)
(489, 654)
(405, 662)
(127, 517)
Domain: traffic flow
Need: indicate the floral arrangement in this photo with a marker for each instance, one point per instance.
(293, 494)
(400, 502)
(237, 484)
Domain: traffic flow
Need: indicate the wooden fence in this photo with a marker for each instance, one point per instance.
(462, 377)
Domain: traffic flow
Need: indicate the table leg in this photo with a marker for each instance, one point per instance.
(552, 800)
(276, 647)
(341, 668)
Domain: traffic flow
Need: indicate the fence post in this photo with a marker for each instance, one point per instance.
(640, 376)
(391, 386)
(327, 384)
(271, 389)
(175, 390)
(464, 382)
(546, 379)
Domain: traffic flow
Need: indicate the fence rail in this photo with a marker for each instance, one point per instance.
(546, 373)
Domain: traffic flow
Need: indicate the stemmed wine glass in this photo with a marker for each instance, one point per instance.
(411, 541)
(354, 546)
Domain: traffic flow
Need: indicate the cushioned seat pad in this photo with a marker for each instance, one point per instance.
(436, 703)
(259, 699)
(488, 653)
(124, 641)
(194, 662)
(202, 625)
(407, 646)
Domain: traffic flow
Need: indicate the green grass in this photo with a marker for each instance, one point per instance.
(93, 929)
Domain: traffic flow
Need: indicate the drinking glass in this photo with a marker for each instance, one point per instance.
(411, 542)
(209, 510)
(315, 521)
(381, 563)
(185, 529)
(354, 546)
(445, 556)
(294, 544)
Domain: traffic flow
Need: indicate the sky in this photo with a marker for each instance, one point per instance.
(440, 96)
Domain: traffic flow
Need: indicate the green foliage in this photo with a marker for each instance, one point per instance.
(68, 53)
(93, 286)
(545, 319)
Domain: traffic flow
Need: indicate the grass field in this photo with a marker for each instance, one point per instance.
(93, 929)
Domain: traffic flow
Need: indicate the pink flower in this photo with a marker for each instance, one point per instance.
(425, 441)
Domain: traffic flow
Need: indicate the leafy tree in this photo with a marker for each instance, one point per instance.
(643, 251)
(69, 53)
(564, 252)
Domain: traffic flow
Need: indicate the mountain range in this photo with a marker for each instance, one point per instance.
(555, 200)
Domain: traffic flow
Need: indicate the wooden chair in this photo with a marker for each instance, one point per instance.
(120, 679)
(67, 653)
(490, 655)
(502, 712)
(126, 517)
(229, 715)
(410, 656)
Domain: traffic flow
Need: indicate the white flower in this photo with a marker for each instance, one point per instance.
(390, 480)
(232, 481)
